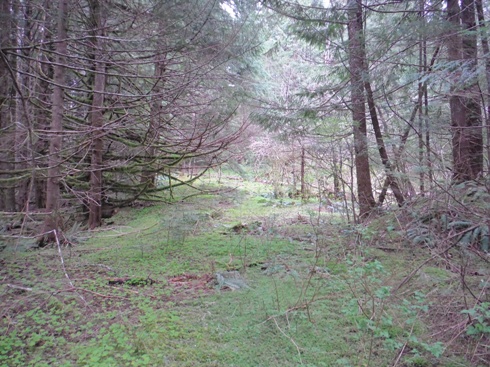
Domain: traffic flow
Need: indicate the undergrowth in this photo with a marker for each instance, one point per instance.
(319, 292)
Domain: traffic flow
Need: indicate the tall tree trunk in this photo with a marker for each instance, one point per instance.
(42, 107)
(486, 56)
(53, 194)
(467, 146)
(356, 67)
(7, 147)
(96, 118)
(420, 98)
(473, 95)
(430, 172)
(25, 62)
(460, 147)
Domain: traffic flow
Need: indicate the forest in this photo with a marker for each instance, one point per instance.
(245, 183)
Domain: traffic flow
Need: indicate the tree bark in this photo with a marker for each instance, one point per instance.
(356, 67)
(53, 193)
(486, 56)
(7, 147)
(41, 110)
(467, 144)
(460, 147)
(473, 106)
(96, 118)
(473, 96)
(420, 97)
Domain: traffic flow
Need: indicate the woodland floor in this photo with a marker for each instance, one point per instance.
(313, 290)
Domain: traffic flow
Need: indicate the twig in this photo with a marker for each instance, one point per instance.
(460, 325)
(63, 265)
(404, 346)
(19, 287)
(290, 339)
(400, 354)
(414, 271)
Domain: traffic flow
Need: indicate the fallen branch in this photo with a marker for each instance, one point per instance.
(290, 339)
(20, 287)
(131, 281)
(63, 265)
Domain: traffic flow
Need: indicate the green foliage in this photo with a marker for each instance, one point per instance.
(433, 221)
(316, 300)
(418, 361)
(480, 320)
(121, 344)
(420, 235)
(374, 313)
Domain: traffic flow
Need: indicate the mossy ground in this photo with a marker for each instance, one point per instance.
(321, 293)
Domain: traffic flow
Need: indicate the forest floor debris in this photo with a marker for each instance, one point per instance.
(309, 290)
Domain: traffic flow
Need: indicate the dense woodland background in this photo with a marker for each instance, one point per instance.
(104, 103)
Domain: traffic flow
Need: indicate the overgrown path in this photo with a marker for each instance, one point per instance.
(235, 278)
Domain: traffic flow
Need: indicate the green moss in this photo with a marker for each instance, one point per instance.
(336, 268)
(316, 297)
(437, 273)
(418, 362)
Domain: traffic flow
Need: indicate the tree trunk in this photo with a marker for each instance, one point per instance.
(25, 33)
(473, 97)
(392, 181)
(7, 147)
(486, 56)
(53, 195)
(302, 173)
(398, 153)
(420, 99)
(96, 118)
(358, 107)
(473, 106)
(41, 110)
(337, 173)
(467, 145)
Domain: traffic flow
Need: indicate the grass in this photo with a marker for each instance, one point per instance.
(320, 293)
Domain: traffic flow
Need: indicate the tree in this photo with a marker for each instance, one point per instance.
(7, 147)
(358, 103)
(486, 58)
(53, 193)
(467, 142)
(109, 97)
(473, 107)
(96, 114)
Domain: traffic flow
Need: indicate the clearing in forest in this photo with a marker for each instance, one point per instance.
(239, 278)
